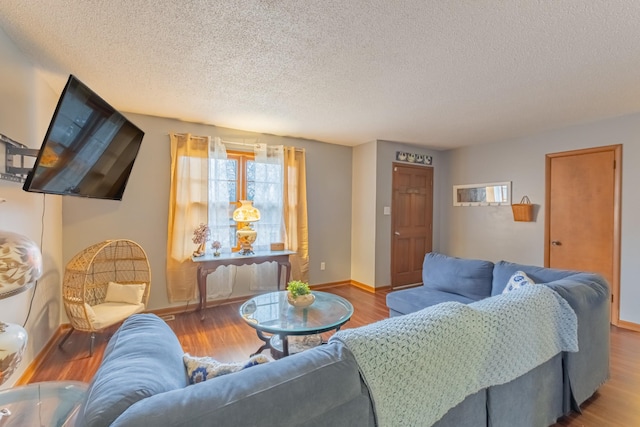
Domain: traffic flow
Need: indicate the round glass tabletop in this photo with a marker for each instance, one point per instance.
(272, 313)
(50, 403)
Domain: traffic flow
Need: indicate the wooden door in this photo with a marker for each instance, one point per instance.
(411, 222)
(582, 231)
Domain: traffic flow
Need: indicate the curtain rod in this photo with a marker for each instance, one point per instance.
(246, 144)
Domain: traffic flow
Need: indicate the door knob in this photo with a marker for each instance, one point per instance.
(556, 243)
(397, 233)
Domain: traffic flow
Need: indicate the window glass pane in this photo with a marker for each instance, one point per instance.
(232, 235)
(232, 169)
(233, 190)
(251, 179)
(251, 190)
(251, 170)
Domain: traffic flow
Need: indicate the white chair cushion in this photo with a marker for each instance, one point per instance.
(130, 294)
(110, 313)
(91, 315)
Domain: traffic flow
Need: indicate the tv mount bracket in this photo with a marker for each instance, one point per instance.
(15, 154)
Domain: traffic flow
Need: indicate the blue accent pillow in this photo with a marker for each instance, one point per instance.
(518, 280)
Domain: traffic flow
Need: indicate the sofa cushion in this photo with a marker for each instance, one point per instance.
(407, 301)
(503, 270)
(143, 358)
(470, 278)
(518, 280)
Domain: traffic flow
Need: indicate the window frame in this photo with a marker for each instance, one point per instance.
(241, 158)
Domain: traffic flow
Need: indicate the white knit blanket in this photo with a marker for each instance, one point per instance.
(420, 365)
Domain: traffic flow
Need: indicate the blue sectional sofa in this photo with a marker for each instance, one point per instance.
(142, 379)
(448, 278)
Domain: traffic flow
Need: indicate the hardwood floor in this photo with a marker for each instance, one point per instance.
(224, 335)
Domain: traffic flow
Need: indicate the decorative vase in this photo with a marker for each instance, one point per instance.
(13, 341)
(246, 237)
(301, 300)
(20, 263)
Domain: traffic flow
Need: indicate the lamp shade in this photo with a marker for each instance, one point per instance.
(246, 212)
(244, 215)
(20, 263)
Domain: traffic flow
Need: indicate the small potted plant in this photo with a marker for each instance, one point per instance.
(299, 294)
(216, 245)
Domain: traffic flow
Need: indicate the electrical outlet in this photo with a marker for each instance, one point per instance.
(322, 265)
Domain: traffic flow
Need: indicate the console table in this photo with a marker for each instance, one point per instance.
(208, 263)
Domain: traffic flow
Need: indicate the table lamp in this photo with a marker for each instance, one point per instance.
(244, 215)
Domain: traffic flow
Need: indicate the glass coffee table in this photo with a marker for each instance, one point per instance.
(51, 404)
(272, 314)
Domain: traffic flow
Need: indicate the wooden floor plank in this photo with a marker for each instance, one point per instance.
(223, 335)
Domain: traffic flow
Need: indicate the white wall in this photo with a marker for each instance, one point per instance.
(26, 107)
(142, 214)
(490, 232)
(363, 214)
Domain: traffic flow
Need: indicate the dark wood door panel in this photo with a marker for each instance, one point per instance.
(412, 214)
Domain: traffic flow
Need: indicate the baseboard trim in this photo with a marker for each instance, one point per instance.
(368, 288)
(629, 325)
(26, 376)
(330, 285)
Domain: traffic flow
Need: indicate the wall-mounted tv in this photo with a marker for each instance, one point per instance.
(88, 150)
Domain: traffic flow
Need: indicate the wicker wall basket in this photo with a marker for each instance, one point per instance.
(523, 211)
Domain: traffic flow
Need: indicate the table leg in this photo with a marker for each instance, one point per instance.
(265, 339)
(287, 265)
(201, 279)
(285, 345)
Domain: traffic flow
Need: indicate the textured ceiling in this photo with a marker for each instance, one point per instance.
(440, 73)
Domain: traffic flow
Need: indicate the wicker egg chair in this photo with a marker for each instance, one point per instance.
(91, 303)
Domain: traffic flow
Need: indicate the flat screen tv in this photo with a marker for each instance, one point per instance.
(88, 150)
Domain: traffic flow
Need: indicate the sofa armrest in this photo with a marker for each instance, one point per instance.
(143, 358)
(294, 391)
(589, 296)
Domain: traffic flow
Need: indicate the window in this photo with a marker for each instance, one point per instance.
(240, 171)
(243, 177)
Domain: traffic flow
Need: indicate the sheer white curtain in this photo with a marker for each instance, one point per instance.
(268, 198)
(219, 283)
